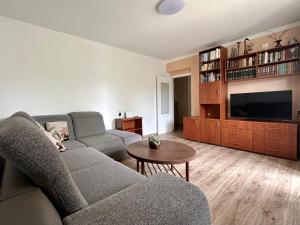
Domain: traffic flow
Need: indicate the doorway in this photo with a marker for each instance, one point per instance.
(182, 100)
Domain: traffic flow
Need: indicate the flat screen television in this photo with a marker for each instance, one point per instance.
(274, 105)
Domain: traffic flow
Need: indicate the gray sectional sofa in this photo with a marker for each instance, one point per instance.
(85, 185)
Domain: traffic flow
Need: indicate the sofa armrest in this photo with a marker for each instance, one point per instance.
(161, 200)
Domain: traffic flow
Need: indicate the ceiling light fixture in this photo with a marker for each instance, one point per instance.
(170, 7)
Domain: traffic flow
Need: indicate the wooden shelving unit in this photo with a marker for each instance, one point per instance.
(212, 125)
(134, 124)
(271, 63)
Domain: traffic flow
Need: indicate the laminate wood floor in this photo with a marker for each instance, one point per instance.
(243, 188)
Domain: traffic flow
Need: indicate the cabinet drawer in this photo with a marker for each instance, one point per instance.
(258, 126)
(272, 145)
(272, 126)
(240, 125)
(272, 134)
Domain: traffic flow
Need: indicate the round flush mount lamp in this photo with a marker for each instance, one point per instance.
(170, 7)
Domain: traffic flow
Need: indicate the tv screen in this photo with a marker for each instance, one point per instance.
(274, 105)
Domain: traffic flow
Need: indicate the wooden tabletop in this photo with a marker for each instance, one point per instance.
(170, 152)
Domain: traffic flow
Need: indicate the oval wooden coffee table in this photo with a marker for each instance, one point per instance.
(162, 159)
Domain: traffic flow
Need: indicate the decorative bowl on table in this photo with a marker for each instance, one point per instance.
(154, 142)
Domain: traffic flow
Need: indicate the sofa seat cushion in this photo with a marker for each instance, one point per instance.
(97, 175)
(127, 137)
(103, 143)
(159, 200)
(73, 144)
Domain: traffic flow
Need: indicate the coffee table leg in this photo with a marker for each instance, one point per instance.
(143, 168)
(137, 166)
(187, 172)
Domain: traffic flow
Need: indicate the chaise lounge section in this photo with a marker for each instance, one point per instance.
(83, 185)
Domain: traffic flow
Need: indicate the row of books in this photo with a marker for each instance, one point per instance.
(241, 74)
(279, 69)
(240, 63)
(271, 57)
(210, 66)
(210, 77)
(207, 56)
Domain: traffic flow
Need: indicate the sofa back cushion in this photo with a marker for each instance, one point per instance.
(87, 124)
(27, 148)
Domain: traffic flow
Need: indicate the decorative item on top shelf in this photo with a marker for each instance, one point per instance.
(238, 44)
(265, 46)
(242, 74)
(211, 55)
(209, 77)
(154, 142)
(274, 56)
(292, 41)
(277, 38)
(234, 52)
(246, 46)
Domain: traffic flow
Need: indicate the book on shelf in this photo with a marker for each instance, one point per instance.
(210, 66)
(240, 63)
(209, 77)
(211, 55)
(277, 56)
(279, 69)
(241, 74)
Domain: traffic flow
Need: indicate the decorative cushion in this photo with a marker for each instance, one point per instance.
(25, 146)
(54, 137)
(55, 118)
(61, 126)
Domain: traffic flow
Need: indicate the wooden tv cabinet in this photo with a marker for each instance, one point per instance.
(270, 138)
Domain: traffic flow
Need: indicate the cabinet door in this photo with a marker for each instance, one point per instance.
(215, 93)
(246, 139)
(225, 136)
(210, 131)
(216, 132)
(210, 93)
(258, 141)
(205, 133)
(191, 128)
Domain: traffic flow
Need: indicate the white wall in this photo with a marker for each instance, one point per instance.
(46, 72)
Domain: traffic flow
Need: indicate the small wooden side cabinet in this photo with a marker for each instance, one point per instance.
(133, 124)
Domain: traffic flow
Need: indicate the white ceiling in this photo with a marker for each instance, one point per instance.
(136, 26)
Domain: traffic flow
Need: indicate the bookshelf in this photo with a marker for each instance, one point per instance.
(271, 63)
(210, 65)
